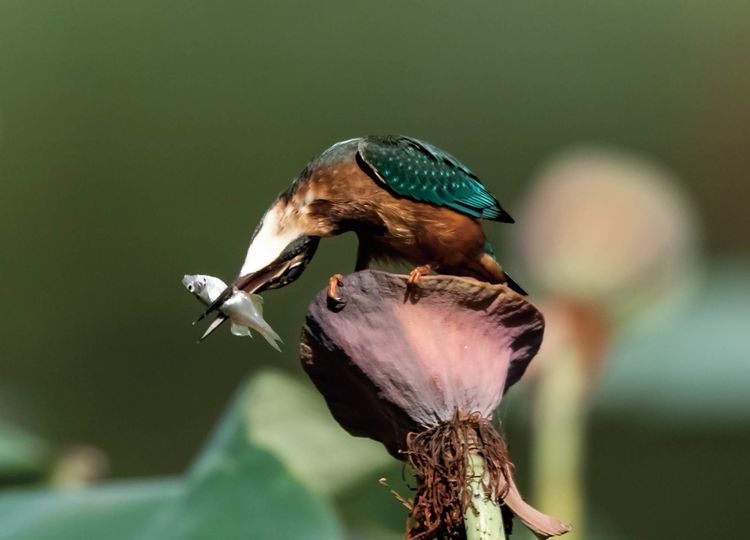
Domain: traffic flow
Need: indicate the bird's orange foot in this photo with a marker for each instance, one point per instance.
(416, 275)
(335, 281)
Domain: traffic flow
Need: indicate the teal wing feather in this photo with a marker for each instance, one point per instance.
(422, 172)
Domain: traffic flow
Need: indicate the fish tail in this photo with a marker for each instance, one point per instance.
(272, 338)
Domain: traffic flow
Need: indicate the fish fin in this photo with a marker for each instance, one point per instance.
(249, 303)
(241, 331)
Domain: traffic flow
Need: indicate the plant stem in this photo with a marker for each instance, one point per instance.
(483, 519)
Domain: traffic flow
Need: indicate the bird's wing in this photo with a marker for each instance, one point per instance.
(417, 170)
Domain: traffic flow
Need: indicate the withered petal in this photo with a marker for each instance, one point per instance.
(396, 359)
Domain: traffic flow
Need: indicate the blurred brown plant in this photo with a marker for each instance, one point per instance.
(607, 228)
(607, 239)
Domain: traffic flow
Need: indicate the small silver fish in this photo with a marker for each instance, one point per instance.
(245, 311)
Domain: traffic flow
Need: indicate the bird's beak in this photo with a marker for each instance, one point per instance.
(260, 280)
(250, 283)
(220, 318)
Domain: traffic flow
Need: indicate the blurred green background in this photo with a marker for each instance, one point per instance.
(143, 140)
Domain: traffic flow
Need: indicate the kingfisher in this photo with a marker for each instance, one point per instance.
(405, 199)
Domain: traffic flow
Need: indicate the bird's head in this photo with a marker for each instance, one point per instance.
(278, 254)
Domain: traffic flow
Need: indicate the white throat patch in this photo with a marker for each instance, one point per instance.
(274, 235)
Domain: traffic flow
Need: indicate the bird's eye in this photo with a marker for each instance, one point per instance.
(294, 272)
(191, 288)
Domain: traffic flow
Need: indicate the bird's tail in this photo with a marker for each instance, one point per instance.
(496, 269)
(510, 282)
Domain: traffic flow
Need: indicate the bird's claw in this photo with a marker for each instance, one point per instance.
(415, 276)
(334, 298)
